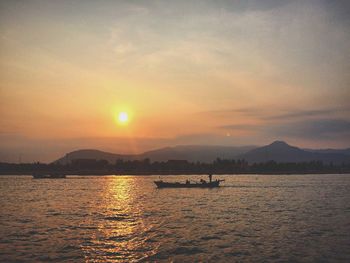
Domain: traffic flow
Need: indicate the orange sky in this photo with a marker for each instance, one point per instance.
(227, 72)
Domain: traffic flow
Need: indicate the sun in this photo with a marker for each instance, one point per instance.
(123, 117)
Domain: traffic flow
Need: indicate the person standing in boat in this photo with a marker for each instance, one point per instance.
(210, 177)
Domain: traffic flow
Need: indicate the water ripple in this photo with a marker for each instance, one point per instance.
(126, 219)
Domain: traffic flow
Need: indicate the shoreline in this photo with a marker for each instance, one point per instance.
(175, 174)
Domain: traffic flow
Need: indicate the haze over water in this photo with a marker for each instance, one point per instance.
(125, 218)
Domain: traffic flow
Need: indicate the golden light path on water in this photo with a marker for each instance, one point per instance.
(123, 232)
(294, 218)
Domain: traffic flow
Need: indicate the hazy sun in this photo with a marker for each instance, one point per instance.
(123, 117)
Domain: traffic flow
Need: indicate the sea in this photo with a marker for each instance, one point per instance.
(251, 218)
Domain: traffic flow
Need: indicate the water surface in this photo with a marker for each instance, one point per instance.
(303, 218)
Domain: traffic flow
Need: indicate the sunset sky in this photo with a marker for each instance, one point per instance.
(186, 72)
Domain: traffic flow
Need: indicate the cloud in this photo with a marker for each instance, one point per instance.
(252, 111)
(295, 114)
(320, 129)
(299, 114)
(277, 61)
(339, 8)
(336, 130)
(327, 124)
(276, 114)
(243, 127)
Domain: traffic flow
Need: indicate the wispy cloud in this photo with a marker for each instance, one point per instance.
(296, 114)
(227, 113)
(272, 67)
(277, 114)
(314, 124)
(315, 129)
(244, 127)
(319, 129)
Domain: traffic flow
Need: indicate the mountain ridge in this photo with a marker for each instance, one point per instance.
(278, 151)
(193, 153)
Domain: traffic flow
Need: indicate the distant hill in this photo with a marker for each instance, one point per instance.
(191, 153)
(91, 154)
(194, 153)
(280, 151)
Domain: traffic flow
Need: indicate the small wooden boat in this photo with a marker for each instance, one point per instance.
(188, 184)
(48, 176)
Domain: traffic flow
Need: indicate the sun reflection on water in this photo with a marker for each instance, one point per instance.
(126, 219)
(122, 232)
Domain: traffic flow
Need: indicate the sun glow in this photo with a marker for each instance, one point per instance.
(123, 117)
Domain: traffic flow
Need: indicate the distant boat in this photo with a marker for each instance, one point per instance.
(48, 176)
(188, 184)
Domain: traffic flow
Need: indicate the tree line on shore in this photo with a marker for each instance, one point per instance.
(145, 167)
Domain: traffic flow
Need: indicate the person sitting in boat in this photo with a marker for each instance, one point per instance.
(203, 181)
(187, 181)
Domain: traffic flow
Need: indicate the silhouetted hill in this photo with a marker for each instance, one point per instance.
(92, 154)
(191, 153)
(194, 153)
(280, 151)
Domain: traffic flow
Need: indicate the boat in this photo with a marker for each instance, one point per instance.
(48, 176)
(188, 184)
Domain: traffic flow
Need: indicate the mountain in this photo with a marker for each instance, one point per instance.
(92, 154)
(192, 153)
(280, 151)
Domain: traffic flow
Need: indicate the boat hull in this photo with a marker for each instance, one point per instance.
(49, 176)
(161, 184)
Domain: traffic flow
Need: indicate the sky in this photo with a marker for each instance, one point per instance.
(186, 72)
